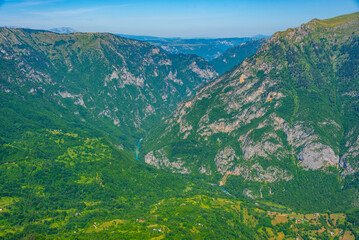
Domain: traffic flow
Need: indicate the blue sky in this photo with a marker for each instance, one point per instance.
(176, 18)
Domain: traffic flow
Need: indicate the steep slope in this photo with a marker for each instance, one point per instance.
(281, 126)
(235, 55)
(110, 83)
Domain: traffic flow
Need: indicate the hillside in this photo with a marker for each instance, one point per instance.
(64, 185)
(69, 186)
(235, 55)
(282, 126)
(108, 83)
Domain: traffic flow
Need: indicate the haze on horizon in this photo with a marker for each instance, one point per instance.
(177, 18)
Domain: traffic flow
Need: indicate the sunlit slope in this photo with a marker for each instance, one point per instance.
(282, 126)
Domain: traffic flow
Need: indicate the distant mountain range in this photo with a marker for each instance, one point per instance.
(148, 38)
(207, 48)
(63, 30)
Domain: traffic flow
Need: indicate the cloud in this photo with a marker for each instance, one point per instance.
(31, 3)
(71, 12)
(65, 12)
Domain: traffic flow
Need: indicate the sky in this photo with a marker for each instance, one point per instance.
(171, 18)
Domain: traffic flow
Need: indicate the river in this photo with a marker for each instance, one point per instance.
(138, 149)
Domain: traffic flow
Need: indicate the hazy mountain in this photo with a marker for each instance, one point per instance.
(207, 48)
(282, 126)
(63, 30)
(147, 38)
(235, 55)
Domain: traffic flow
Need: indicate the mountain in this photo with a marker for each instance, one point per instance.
(63, 30)
(72, 107)
(147, 38)
(282, 126)
(107, 83)
(235, 55)
(207, 48)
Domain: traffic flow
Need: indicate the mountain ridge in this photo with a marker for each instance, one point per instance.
(101, 68)
(235, 55)
(208, 49)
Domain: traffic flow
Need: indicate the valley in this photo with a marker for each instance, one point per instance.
(106, 137)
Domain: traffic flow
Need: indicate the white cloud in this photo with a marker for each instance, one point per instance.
(29, 3)
(73, 12)
(64, 12)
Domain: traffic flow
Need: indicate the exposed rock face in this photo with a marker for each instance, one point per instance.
(270, 144)
(228, 163)
(204, 170)
(316, 155)
(159, 160)
(207, 73)
(347, 161)
(225, 159)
